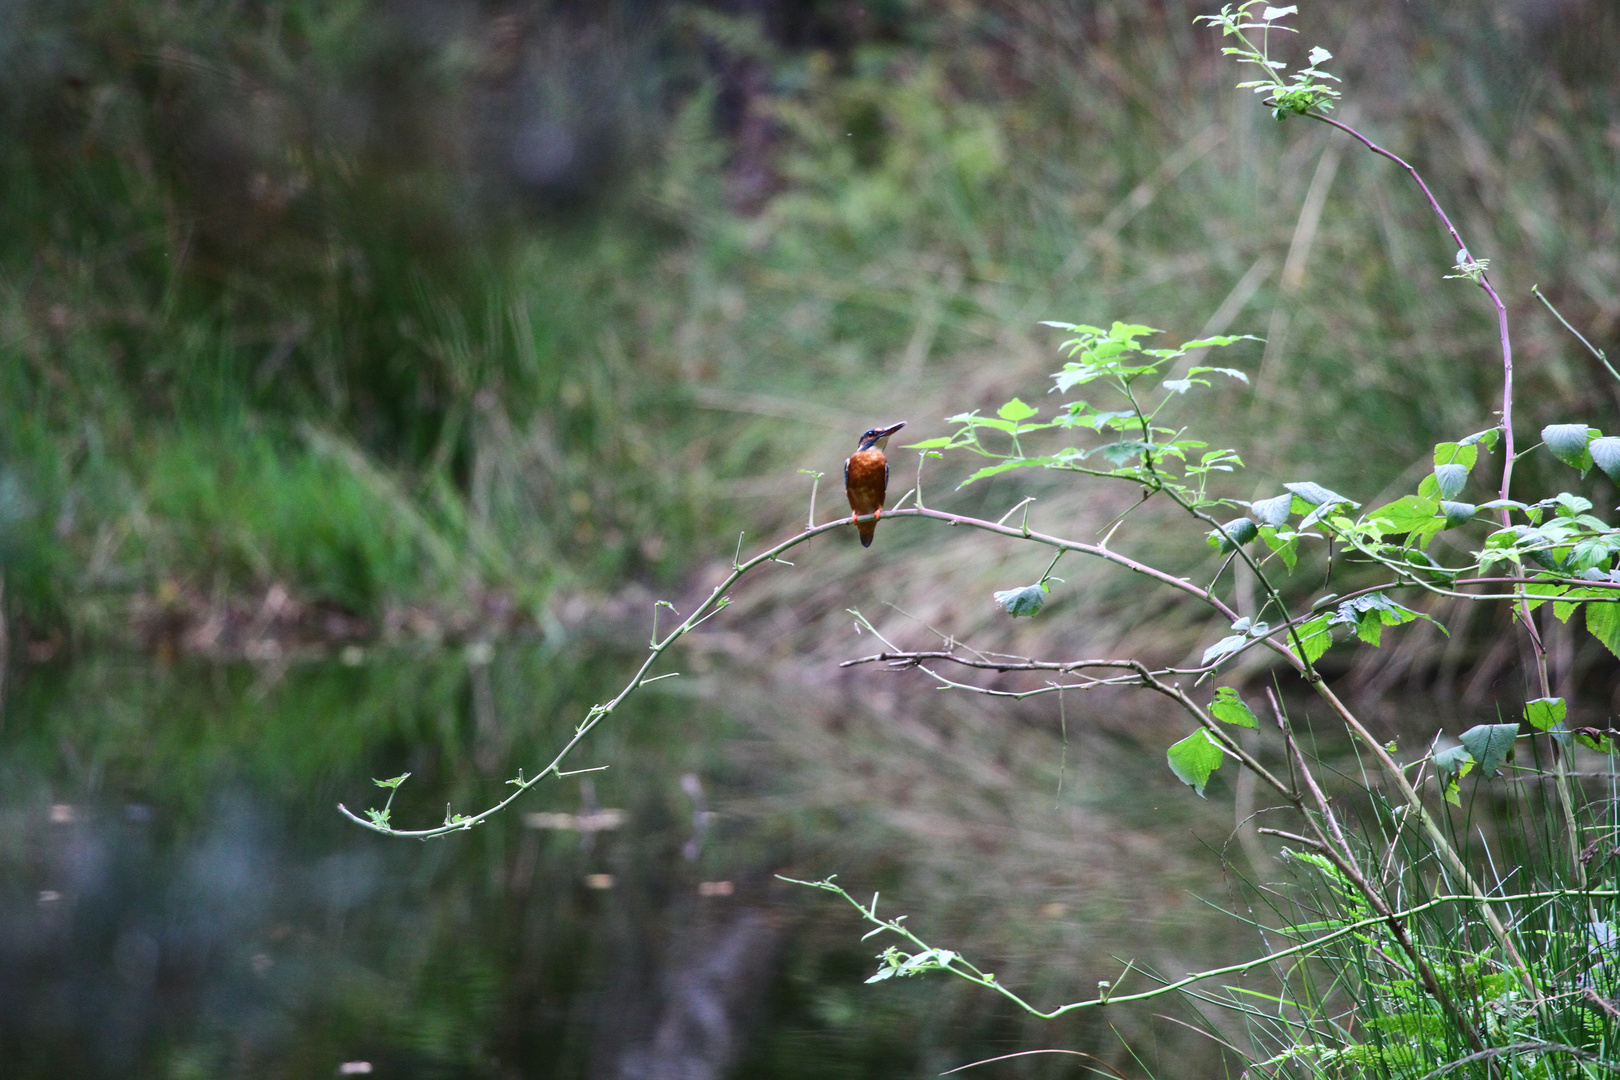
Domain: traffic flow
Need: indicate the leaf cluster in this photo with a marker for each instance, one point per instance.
(1303, 91)
(1125, 431)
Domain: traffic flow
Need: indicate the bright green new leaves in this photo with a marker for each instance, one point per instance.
(1194, 759)
(380, 817)
(1133, 446)
(1016, 411)
(1410, 515)
(1490, 745)
(1568, 443)
(897, 962)
(1544, 713)
(1025, 601)
(1229, 708)
(1305, 91)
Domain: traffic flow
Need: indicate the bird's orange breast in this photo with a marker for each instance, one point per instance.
(866, 480)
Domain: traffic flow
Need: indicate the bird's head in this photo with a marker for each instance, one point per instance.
(878, 438)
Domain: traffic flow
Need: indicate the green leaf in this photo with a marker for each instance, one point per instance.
(1194, 759)
(1233, 535)
(1229, 708)
(1007, 465)
(1407, 514)
(1452, 764)
(1410, 514)
(1231, 373)
(1568, 444)
(1605, 454)
(1125, 450)
(1593, 739)
(1490, 745)
(1316, 635)
(1286, 548)
(395, 782)
(1543, 713)
(1450, 453)
(1450, 479)
(1273, 511)
(1015, 410)
(1536, 588)
(1025, 601)
(1313, 494)
(1603, 620)
(929, 444)
(1458, 513)
(1225, 647)
(1453, 761)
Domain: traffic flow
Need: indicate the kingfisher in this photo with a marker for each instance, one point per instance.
(866, 478)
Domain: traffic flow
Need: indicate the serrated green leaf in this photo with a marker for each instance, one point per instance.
(1450, 479)
(1541, 589)
(1314, 494)
(1015, 410)
(1605, 454)
(1450, 453)
(1229, 708)
(1568, 444)
(1273, 511)
(1286, 548)
(1490, 745)
(1194, 759)
(1006, 466)
(1543, 713)
(1603, 620)
(929, 444)
(1408, 514)
(1316, 635)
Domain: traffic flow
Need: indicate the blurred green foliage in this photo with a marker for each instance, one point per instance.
(412, 305)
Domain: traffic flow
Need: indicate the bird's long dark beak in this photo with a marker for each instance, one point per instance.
(884, 433)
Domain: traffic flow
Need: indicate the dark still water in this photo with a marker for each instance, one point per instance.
(179, 897)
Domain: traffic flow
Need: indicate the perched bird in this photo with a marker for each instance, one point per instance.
(866, 478)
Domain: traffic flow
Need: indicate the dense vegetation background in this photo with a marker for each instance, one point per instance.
(329, 321)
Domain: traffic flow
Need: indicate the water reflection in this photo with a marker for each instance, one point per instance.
(181, 900)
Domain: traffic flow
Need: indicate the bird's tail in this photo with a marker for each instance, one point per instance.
(866, 529)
